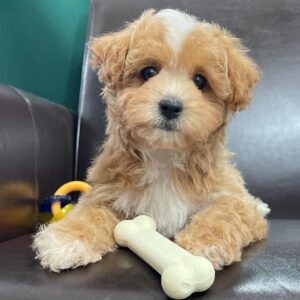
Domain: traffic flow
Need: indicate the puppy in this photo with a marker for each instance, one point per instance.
(171, 85)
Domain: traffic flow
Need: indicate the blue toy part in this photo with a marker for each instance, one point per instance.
(63, 199)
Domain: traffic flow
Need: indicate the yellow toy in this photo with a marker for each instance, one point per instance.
(72, 186)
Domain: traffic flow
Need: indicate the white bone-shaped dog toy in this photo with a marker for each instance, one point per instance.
(182, 273)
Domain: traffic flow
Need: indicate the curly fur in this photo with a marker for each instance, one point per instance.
(183, 178)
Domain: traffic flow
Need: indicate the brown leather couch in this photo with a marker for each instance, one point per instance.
(41, 147)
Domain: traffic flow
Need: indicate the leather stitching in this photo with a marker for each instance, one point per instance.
(36, 145)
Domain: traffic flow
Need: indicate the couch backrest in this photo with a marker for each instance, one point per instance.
(266, 137)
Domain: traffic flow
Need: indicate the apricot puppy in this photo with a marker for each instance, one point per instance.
(171, 85)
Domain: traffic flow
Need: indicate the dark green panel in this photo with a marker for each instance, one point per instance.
(41, 46)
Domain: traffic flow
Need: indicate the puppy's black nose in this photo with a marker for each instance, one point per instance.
(170, 108)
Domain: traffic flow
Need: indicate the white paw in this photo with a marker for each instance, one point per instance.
(219, 256)
(58, 252)
(263, 208)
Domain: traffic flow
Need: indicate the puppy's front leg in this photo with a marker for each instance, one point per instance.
(83, 236)
(220, 231)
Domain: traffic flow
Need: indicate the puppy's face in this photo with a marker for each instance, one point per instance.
(171, 80)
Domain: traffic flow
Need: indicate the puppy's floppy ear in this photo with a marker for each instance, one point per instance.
(242, 72)
(108, 54)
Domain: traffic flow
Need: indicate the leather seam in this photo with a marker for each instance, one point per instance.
(83, 83)
(36, 145)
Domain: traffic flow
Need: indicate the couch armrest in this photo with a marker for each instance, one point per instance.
(36, 156)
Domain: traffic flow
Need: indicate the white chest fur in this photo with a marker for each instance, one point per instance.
(158, 197)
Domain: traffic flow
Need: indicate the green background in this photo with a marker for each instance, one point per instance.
(41, 47)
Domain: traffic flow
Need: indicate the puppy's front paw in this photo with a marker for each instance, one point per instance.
(218, 252)
(60, 250)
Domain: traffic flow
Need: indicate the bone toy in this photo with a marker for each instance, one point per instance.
(182, 273)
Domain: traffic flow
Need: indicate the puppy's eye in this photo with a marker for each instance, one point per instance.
(200, 81)
(148, 72)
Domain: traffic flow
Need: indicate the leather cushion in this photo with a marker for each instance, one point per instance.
(36, 156)
(269, 270)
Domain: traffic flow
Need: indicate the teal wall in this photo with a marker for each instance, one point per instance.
(41, 47)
